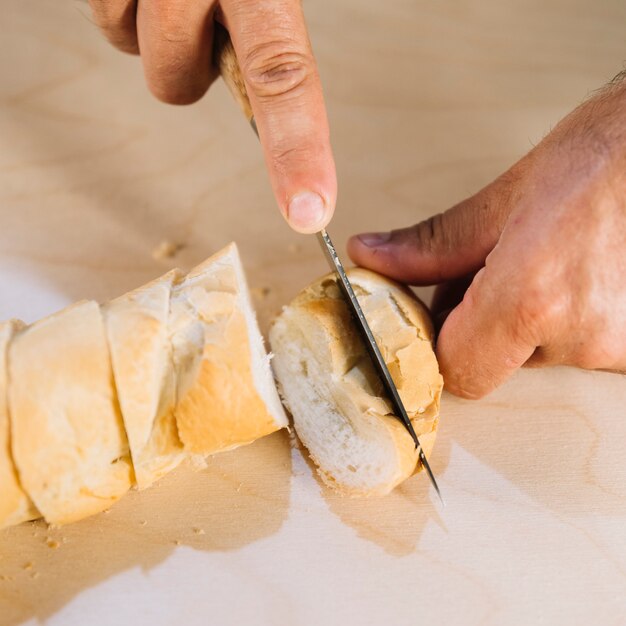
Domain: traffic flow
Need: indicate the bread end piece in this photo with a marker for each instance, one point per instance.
(15, 505)
(68, 438)
(334, 394)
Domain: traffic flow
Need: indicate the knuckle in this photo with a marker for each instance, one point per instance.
(289, 157)
(117, 24)
(105, 13)
(174, 44)
(528, 322)
(541, 310)
(172, 92)
(122, 41)
(176, 79)
(276, 68)
(444, 233)
(431, 235)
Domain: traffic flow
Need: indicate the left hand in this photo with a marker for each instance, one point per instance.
(540, 255)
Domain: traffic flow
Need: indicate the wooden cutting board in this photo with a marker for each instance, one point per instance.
(102, 188)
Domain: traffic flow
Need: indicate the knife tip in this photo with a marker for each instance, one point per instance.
(431, 476)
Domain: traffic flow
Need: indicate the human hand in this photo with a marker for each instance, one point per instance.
(540, 255)
(175, 40)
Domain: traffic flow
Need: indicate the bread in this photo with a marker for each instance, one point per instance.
(333, 393)
(104, 398)
(143, 367)
(68, 437)
(15, 505)
(226, 392)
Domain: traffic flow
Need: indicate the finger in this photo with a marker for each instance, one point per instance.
(116, 19)
(274, 52)
(485, 338)
(176, 39)
(443, 247)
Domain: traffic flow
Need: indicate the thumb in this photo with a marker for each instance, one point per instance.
(443, 247)
(273, 48)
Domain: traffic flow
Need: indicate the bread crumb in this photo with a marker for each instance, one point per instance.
(5, 577)
(166, 250)
(294, 442)
(260, 293)
(35, 575)
(27, 566)
(198, 462)
(239, 487)
(51, 543)
(198, 531)
(177, 542)
(143, 523)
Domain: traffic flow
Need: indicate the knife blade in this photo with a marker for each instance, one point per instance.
(373, 350)
(225, 60)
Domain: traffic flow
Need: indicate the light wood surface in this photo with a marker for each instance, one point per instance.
(428, 101)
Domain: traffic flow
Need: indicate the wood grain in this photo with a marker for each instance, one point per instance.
(427, 102)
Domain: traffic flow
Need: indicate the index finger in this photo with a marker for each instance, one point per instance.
(485, 338)
(283, 84)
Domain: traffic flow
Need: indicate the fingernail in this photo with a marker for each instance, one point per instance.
(306, 211)
(371, 240)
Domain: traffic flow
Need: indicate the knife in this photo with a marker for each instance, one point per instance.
(225, 59)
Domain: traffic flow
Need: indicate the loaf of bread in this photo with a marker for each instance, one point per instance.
(97, 399)
(329, 384)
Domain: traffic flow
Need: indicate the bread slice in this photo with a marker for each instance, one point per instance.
(141, 354)
(226, 396)
(68, 438)
(333, 392)
(174, 369)
(15, 506)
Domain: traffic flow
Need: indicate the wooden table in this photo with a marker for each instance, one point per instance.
(428, 101)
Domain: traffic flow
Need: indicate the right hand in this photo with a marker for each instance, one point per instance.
(175, 40)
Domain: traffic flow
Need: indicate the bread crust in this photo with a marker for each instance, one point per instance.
(220, 405)
(137, 332)
(69, 442)
(15, 505)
